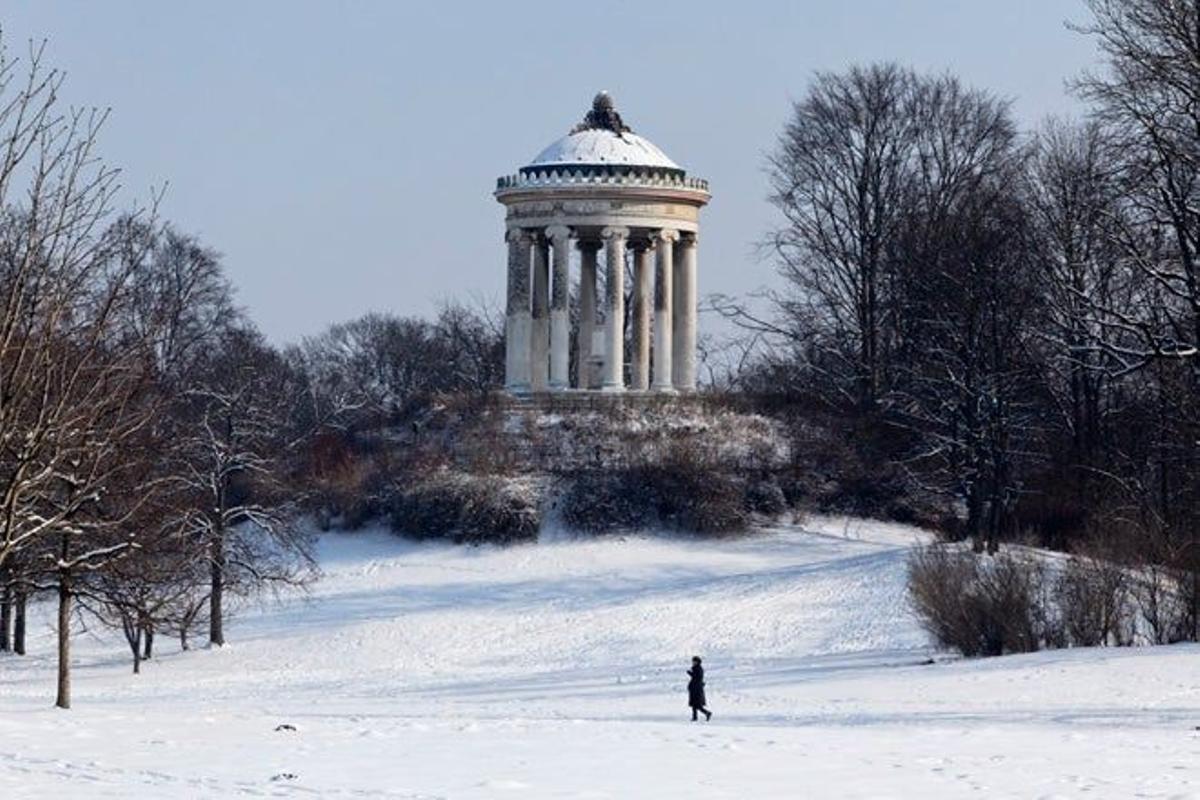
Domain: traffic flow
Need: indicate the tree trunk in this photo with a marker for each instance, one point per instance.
(19, 623)
(148, 638)
(974, 514)
(216, 630)
(133, 635)
(183, 640)
(1194, 600)
(6, 604)
(64, 641)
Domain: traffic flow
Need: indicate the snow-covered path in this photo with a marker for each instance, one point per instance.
(557, 670)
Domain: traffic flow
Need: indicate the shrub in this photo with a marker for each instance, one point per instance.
(765, 497)
(429, 510)
(979, 605)
(1092, 596)
(467, 508)
(1189, 600)
(797, 488)
(500, 511)
(344, 480)
(602, 502)
(1159, 604)
(699, 503)
(1057, 516)
(671, 495)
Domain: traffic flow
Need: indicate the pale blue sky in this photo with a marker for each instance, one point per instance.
(342, 155)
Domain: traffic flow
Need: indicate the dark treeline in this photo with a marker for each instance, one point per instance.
(1009, 317)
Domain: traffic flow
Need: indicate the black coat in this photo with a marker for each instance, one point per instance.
(696, 687)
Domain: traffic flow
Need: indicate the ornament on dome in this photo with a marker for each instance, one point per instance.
(603, 116)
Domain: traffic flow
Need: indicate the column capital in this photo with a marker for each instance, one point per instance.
(588, 244)
(666, 235)
(690, 238)
(518, 235)
(614, 232)
(558, 232)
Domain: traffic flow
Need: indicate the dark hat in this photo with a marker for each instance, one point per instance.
(696, 659)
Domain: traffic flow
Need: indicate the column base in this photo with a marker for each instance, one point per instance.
(612, 388)
(663, 390)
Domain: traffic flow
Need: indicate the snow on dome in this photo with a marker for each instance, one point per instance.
(603, 138)
(602, 146)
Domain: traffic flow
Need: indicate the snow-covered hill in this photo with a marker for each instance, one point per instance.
(557, 670)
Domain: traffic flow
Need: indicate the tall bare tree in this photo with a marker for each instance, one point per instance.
(838, 176)
(1073, 198)
(1148, 98)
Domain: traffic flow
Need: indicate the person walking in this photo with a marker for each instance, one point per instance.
(696, 690)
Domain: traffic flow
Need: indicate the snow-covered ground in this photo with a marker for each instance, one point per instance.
(556, 670)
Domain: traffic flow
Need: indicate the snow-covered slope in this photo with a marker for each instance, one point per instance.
(557, 670)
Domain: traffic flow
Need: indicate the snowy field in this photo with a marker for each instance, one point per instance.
(557, 671)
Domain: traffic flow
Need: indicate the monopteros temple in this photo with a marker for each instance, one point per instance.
(601, 187)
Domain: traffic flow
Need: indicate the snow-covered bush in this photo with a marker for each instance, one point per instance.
(766, 497)
(431, 509)
(670, 495)
(1092, 595)
(1160, 605)
(467, 508)
(697, 501)
(607, 501)
(981, 605)
(500, 511)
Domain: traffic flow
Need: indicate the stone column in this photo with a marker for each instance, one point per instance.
(588, 249)
(640, 369)
(663, 316)
(540, 349)
(518, 321)
(614, 326)
(684, 370)
(560, 314)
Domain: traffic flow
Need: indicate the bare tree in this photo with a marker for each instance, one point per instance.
(1073, 196)
(57, 294)
(151, 589)
(74, 374)
(838, 175)
(967, 295)
(232, 445)
(473, 339)
(1149, 99)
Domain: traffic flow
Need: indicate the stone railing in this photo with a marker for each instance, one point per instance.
(585, 177)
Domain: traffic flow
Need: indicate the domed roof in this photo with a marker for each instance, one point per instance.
(602, 138)
(603, 147)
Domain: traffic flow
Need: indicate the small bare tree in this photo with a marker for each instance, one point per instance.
(233, 442)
